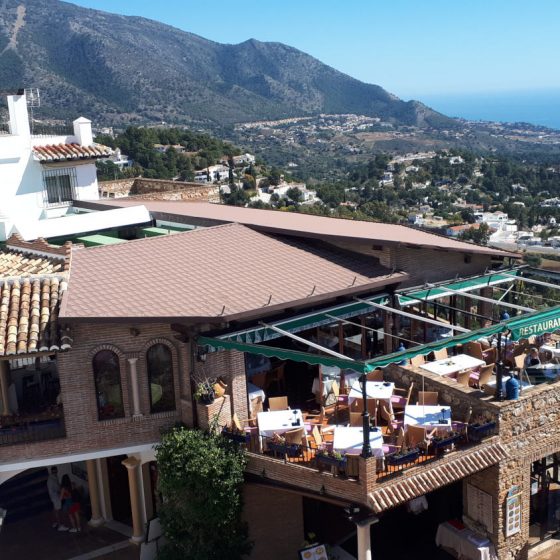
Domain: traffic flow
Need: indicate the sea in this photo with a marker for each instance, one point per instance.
(535, 107)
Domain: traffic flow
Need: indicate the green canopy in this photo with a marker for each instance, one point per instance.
(284, 354)
(461, 286)
(305, 321)
(534, 323)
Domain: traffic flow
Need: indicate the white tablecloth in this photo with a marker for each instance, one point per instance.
(449, 366)
(255, 392)
(465, 543)
(380, 390)
(552, 349)
(278, 421)
(349, 440)
(428, 416)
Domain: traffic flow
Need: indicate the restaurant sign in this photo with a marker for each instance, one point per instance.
(534, 326)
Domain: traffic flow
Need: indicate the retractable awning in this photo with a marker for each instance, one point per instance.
(467, 285)
(306, 321)
(284, 354)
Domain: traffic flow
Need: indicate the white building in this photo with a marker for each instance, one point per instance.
(212, 173)
(41, 177)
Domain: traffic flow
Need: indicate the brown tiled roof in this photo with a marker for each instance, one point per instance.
(28, 315)
(306, 225)
(62, 152)
(429, 479)
(220, 272)
(20, 263)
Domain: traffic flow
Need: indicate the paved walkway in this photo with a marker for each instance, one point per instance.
(35, 538)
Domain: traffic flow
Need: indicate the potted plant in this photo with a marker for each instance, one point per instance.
(331, 459)
(439, 443)
(480, 428)
(403, 456)
(204, 388)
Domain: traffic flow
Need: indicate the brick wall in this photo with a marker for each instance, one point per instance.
(84, 432)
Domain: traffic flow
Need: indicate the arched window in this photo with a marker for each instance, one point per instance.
(160, 378)
(107, 374)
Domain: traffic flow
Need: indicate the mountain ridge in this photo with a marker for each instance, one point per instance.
(119, 69)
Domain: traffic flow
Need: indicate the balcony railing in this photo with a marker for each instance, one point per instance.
(41, 129)
(347, 466)
(14, 430)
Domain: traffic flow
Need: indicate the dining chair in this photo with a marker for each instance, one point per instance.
(473, 349)
(417, 360)
(490, 356)
(416, 436)
(483, 376)
(375, 375)
(278, 403)
(341, 402)
(296, 436)
(428, 398)
(315, 419)
(356, 419)
(463, 378)
(399, 402)
(393, 425)
(440, 354)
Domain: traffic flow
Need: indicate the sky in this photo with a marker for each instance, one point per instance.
(413, 48)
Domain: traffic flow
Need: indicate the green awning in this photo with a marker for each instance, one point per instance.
(534, 323)
(284, 354)
(461, 286)
(300, 323)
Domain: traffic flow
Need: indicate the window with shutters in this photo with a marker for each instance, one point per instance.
(59, 186)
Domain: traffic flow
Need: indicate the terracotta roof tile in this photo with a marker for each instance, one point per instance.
(21, 263)
(70, 151)
(294, 223)
(415, 484)
(222, 271)
(28, 314)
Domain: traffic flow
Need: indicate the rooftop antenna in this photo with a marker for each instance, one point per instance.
(33, 98)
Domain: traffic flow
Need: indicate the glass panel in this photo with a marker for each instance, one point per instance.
(107, 374)
(160, 378)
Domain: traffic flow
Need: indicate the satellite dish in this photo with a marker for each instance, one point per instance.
(33, 97)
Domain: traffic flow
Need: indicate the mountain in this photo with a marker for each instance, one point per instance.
(116, 68)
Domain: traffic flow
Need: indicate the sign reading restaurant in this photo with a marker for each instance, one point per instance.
(538, 327)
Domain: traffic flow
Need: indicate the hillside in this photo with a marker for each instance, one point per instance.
(120, 69)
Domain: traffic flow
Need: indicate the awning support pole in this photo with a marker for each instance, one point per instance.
(412, 316)
(366, 447)
(307, 342)
(493, 301)
(536, 282)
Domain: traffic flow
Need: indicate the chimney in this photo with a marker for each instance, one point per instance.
(82, 131)
(19, 119)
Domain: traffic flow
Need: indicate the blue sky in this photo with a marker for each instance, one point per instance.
(413, 48)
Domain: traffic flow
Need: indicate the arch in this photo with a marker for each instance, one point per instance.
(108, 386)
(161, 381)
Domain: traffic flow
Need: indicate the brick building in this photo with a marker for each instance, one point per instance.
(141, 323)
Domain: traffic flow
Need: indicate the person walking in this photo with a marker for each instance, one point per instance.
(70, 505)
(53, 488)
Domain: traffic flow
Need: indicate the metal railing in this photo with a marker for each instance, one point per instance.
(32, 431)
(44, 129)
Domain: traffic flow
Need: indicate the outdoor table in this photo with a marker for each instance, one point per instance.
(349, 440)
(465, 543)
(552, 349)
(490, 387)
(279, 421)
(452, 365)
(330, 374)
(379, 390)
(428, 416)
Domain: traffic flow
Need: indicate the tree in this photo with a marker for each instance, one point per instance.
(200, 477)
(479, 236)
(295, 195)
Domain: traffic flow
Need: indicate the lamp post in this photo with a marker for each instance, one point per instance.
(499, 371)
(366, 447)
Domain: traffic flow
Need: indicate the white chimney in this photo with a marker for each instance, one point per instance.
(19, 119)
(82, 131)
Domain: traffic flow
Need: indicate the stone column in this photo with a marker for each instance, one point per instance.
(364, 537)
(136, 413)
(133, 466)
(96, 517)
(4, 388)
